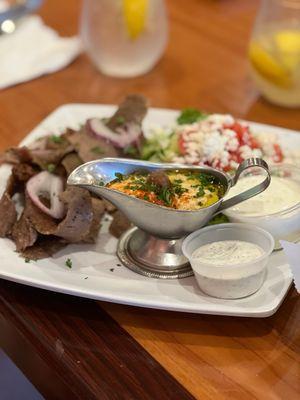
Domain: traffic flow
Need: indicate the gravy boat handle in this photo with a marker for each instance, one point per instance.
(247, 194)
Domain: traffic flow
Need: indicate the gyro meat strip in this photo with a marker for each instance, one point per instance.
(88, 147)
(42, 222)
(77, 222)
(45, 246)
(132, 109)
(46, 152)
(98, 211)
(15, 155)
(70, 162)
(109, 207)
(23, 233)
(119, 224)
(23, 171)
(8, 215)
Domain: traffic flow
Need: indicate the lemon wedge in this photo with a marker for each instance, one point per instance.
(288, 41)
(268, 66)
(288, 48)
(135, 13)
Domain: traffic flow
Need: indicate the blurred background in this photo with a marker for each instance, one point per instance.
(198, 48)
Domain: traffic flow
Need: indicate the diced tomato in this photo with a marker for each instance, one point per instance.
(181, 145)
(243, 135)
(253, 143)
(278, 153)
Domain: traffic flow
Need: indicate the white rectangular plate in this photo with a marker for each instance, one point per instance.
(97, 273)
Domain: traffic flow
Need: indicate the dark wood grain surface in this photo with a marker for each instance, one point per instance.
(205, 65)
(69, 348)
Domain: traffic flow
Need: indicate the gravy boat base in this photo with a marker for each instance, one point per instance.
(153, 257)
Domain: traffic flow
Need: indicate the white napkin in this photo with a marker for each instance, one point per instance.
(33, 50)
(4, 5)
(292, 252)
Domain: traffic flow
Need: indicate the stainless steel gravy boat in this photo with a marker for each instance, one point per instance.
(155, 244)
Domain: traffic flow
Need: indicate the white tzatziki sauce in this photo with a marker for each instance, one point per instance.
(222, 268)
(282, 194)
(228, 252)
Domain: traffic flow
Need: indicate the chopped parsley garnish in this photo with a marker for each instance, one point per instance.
(166, 195)
(119, 176)
(190, 115)
(179, 190)
(120, 120)
(200, 192)
(51, 167)
(146, 197)
(97, 150)
(27, 260)
(68, 263)
(56, 139)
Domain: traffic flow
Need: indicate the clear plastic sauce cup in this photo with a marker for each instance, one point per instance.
(224, 280)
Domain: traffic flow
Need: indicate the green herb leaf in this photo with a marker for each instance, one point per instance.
(51, 167)
(120, 120)
(190, 115)
(27, 260)
(56, 139)
(97, 150)
(68, 263)
(166, 196)
(119, 176)
(200, 192)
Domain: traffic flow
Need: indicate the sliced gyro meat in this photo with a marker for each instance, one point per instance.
(42, 222)
(119, 224)
(8, 215)
(98, 211)
(23, 233)
(15, 155)
(70, 162)
(88, 147)
(132, 109)
(124, 128)
(45, 246)
(77, 222)
(23, 172)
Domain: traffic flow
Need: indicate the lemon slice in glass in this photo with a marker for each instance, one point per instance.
(288, 48)
(135, 13)
(268, 66)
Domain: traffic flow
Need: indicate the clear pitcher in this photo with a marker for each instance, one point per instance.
(124, 38)
(274, 51)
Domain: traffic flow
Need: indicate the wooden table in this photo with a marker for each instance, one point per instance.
(72, 348)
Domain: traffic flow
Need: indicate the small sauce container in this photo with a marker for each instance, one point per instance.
(224, 280)
(284, 224)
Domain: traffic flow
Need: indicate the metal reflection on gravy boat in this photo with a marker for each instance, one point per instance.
(160, 222)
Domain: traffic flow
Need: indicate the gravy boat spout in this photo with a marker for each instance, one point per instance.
(160, 221)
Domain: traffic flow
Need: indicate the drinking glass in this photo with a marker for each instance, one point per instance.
(274, 51)
(124, 38)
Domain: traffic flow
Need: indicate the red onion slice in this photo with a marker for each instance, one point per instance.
(124, 136)
(44, 182)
